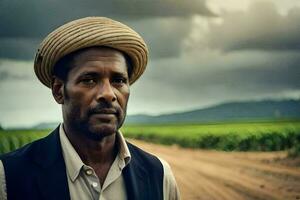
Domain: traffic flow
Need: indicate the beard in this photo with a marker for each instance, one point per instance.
(82, 123)
(87, 125)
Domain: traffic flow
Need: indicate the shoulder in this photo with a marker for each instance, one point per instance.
(19, 153)
(3, 194)
(28, 151)
(167, 169)
(21, 158)
(143, 156)
(171, 190)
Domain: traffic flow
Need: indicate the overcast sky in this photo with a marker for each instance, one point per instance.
(201, 52)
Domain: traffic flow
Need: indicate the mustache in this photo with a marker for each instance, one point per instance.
(104, 109)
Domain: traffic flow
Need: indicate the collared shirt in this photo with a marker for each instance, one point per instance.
(83, 182)
(82, 179)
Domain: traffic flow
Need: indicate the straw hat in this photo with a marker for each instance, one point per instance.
(88, 32)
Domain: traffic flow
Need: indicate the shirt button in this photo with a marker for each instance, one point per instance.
(89, 172)
(94, 184)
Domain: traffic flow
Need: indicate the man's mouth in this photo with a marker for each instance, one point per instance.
(106, 114)
(107, 111)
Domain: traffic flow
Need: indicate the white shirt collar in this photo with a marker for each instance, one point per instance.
(73, 161)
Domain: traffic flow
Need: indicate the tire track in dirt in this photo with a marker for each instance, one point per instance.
(209, 175)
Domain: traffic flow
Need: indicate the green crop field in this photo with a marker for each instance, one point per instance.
(261, 136)
(13, 139)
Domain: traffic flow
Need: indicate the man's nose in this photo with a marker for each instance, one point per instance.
(105, 92)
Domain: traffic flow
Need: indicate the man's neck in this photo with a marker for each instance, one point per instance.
(93, 152)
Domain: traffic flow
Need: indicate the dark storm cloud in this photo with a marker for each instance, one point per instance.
(261, 27)
(271, 77)
(233, 76)
(164, 36)
(23, 23)
(20, 48)
(7, 75)
(159, 8)
(11, 71)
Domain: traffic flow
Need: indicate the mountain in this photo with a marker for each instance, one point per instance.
(46, 125)
(233, 111)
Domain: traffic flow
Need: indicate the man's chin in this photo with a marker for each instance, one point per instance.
(98, 132)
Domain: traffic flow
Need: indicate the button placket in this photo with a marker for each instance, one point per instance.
(92, 179)
(94, 184)
(88, 172)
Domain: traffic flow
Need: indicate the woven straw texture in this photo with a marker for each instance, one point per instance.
(89, 32)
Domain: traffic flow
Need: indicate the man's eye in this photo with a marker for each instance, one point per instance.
(88, 81)
(120, 80)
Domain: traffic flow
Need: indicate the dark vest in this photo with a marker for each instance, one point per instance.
(37, 171)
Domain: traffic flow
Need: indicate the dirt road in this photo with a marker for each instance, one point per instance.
(208, 175)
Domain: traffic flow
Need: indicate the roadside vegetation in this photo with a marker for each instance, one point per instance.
(261, 136)
(246, 136)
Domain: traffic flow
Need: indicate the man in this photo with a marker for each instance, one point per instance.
(89, 64)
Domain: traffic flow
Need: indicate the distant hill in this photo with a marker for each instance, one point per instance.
(49, 125)
(233, 111)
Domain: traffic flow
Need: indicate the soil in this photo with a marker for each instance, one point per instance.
(215, 175)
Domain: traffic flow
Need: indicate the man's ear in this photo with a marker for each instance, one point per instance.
(57, 87)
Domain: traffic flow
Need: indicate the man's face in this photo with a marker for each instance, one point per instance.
(96, 93)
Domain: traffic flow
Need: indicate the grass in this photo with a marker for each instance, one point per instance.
(262, 136)
(13, 139)
(246, 136)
